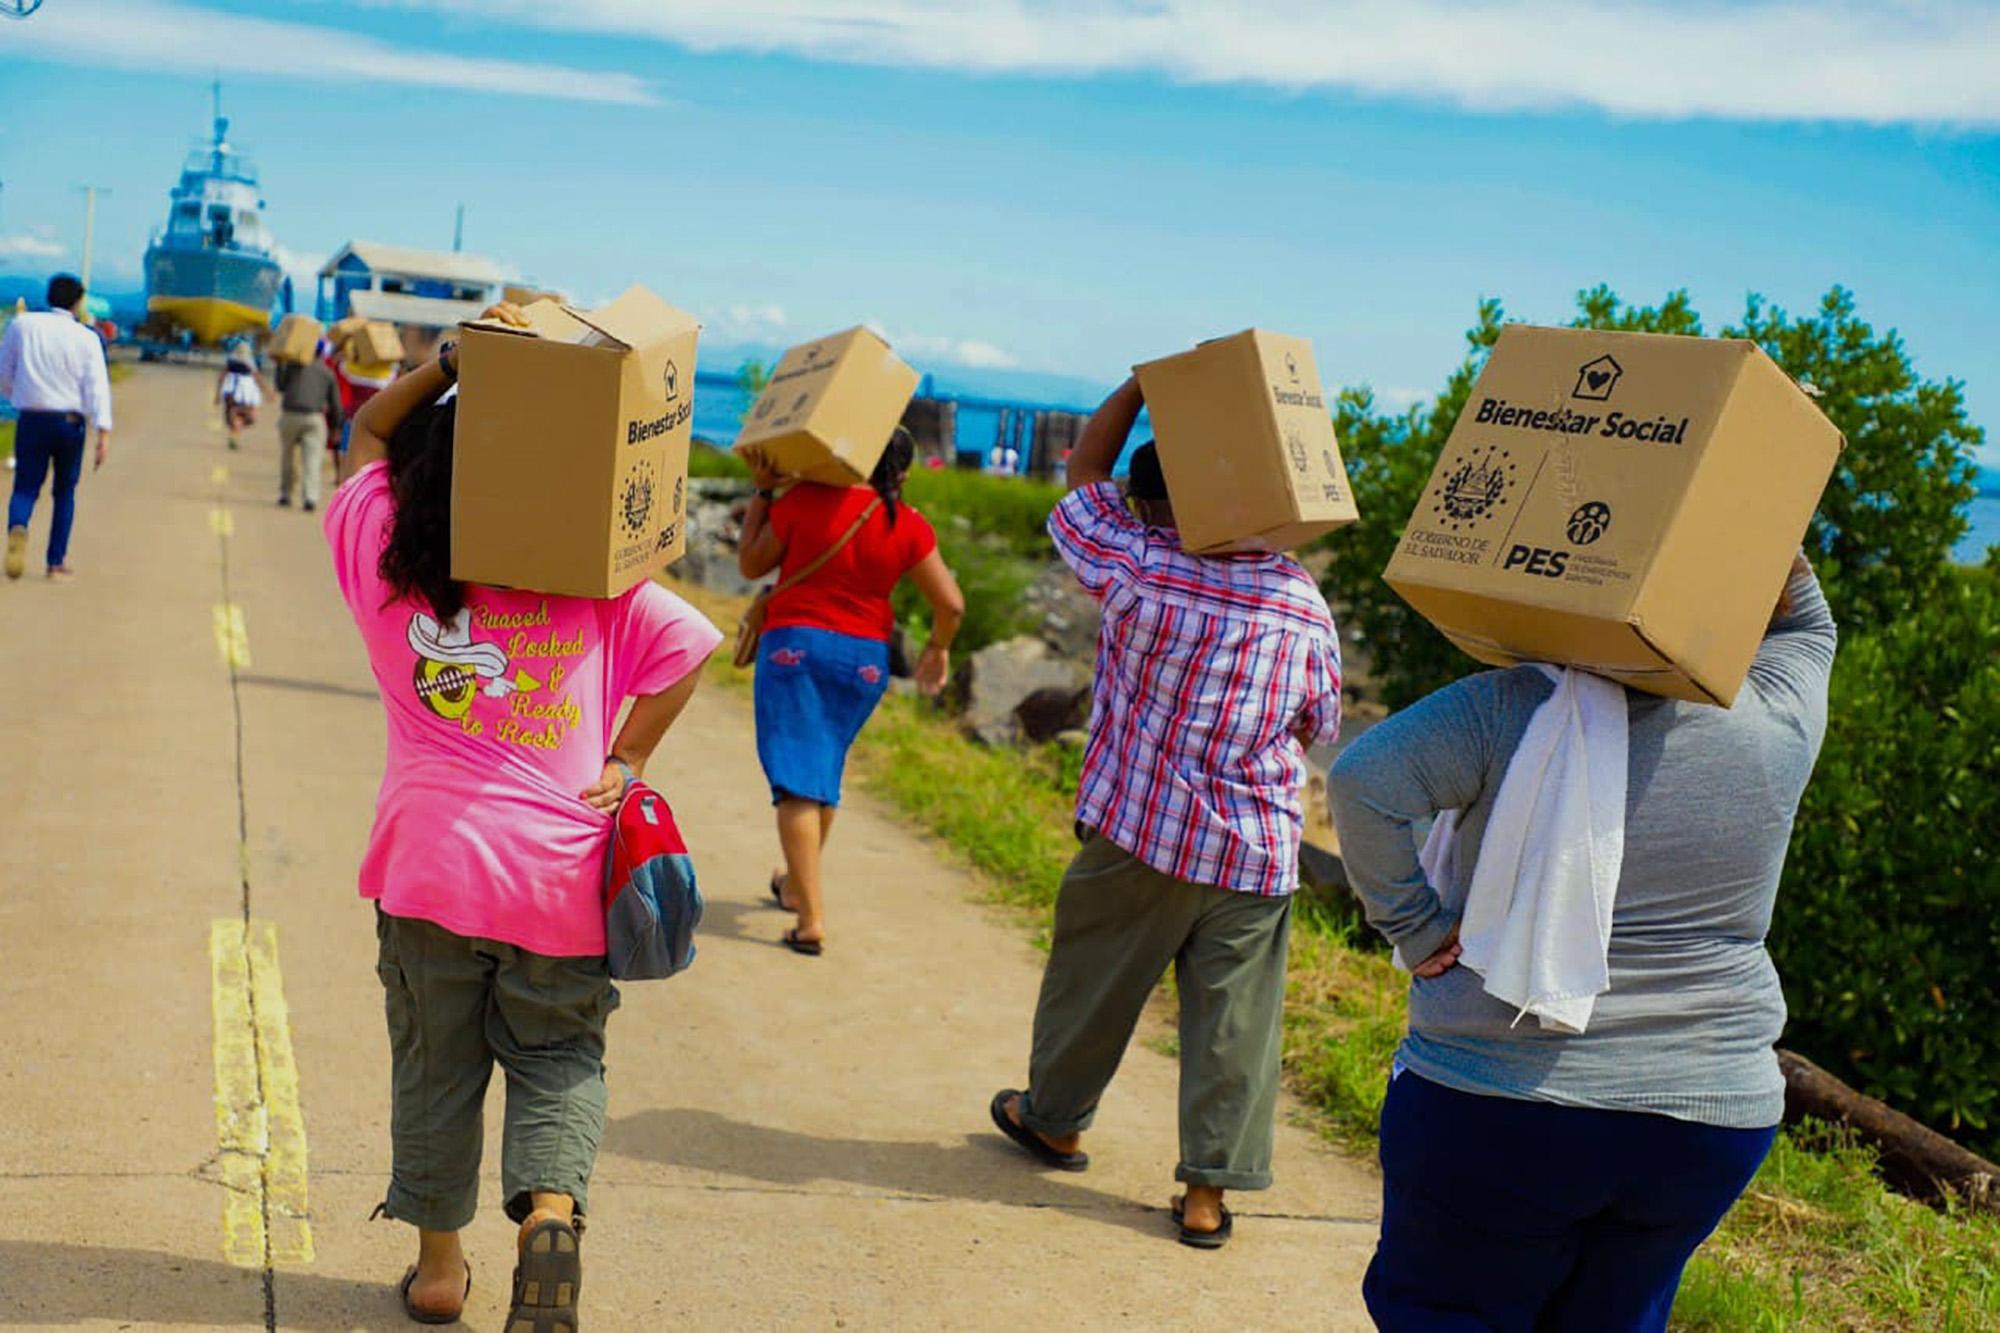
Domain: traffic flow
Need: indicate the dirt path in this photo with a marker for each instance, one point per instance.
(793, 1142)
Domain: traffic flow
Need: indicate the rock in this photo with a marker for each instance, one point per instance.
(1066, 615)
(713, 524)
(1051, 711)
(990, 685)
(1073, 740)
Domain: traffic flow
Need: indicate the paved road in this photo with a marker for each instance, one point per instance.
(193, 1075)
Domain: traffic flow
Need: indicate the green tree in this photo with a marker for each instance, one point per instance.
(751, 377)
(1889, 916)
(1896, 505)
(1389, 460)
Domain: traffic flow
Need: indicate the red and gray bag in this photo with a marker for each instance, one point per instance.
(651, 904)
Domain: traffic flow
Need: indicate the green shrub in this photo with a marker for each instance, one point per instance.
(992, 578)
(1889, 918)
(1012, 511)
(705, 460)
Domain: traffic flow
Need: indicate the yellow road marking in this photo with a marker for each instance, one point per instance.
(259, 1128)
(232, 637)
(221, 522)
(220, 475)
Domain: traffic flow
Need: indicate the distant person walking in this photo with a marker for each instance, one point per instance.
(52, 369)
(309, 415)
(823, 661)
(1213, 674)
(1537, 1178)
(506, 761)
(240, 391)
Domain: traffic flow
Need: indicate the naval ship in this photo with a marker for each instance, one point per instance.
(210, 270)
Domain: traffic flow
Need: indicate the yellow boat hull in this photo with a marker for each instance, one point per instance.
(209, 318)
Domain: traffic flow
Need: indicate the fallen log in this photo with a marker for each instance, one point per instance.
(1915, 1159)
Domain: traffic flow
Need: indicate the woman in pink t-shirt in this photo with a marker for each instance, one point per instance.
(486, 860)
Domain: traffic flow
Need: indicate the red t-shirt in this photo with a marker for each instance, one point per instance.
(849, 594)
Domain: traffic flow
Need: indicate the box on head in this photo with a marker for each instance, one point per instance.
(569, 471)
(374, 343)
(1246, 442)
(296, 339)
(1626, 503)
(830, 407)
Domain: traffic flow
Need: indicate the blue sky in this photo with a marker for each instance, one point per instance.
(1068, 188)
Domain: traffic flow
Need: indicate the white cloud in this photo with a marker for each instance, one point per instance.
(28, 245)
(973, 352)
(1879, 61)
(747, 324)
(156, 35)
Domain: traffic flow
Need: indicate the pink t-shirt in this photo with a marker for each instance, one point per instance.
(498, 719)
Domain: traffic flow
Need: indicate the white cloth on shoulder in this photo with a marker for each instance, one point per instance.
(1537, 919)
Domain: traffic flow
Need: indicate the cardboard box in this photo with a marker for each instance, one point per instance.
(1247, 445)
(1628, 503)
(570, 466)
(830, 408)
(296, 340)
(374, 343)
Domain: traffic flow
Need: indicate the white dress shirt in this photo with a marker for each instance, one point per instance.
(51, 363)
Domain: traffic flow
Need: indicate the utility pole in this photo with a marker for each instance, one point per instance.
(90, 193)
(458, 231)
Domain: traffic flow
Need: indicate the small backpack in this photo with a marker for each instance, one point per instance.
(651, 904)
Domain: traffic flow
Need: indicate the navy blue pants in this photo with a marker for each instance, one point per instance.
(1502, 1215)
(46, 442)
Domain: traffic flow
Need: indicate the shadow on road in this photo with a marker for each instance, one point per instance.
(983, 1169)
(51, 1283)
(308, 687)
(760, 922)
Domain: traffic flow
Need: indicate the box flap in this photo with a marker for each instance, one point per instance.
(636, 318)
(546, 319)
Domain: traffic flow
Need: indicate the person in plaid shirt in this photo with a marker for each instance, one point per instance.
(1213, 674)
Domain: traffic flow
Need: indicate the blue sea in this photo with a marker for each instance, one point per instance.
(1985, 516)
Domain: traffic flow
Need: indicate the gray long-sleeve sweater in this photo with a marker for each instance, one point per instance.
(1694, 1008)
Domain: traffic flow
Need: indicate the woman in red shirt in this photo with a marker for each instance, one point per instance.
(823, 660)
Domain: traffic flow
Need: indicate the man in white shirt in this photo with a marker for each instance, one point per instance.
(52, 369)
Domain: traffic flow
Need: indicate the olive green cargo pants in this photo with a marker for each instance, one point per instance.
(455, 1005)
(1119, 923)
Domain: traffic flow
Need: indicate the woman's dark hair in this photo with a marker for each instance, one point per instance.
(416, 560)
(887, 478)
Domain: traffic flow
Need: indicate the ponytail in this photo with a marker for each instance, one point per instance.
(894, 465)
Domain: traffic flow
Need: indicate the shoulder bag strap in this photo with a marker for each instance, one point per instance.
(831, 551)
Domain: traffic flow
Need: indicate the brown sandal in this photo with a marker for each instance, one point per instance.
(427, 1316)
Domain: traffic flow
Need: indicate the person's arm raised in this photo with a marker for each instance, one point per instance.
(1104, 436)
(759, 548)
(934, 580)
(379, 417)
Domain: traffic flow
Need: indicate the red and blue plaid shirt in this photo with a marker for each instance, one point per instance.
(1209, 670)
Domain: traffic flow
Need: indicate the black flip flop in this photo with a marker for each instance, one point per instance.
(547, 1280)
(425, 1316)
(1036, 1146)
(778, 891)
(810, 948)
(1204, 1240)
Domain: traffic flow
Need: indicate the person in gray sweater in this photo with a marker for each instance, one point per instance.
(1534, 1179)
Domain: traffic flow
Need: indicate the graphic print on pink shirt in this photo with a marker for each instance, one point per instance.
(498, 718)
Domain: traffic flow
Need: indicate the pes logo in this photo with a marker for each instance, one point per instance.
(1537, 560)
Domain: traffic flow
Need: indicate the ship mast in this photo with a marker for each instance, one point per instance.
(221, 144)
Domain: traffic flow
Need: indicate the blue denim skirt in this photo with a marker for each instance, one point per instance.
(815, 690)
